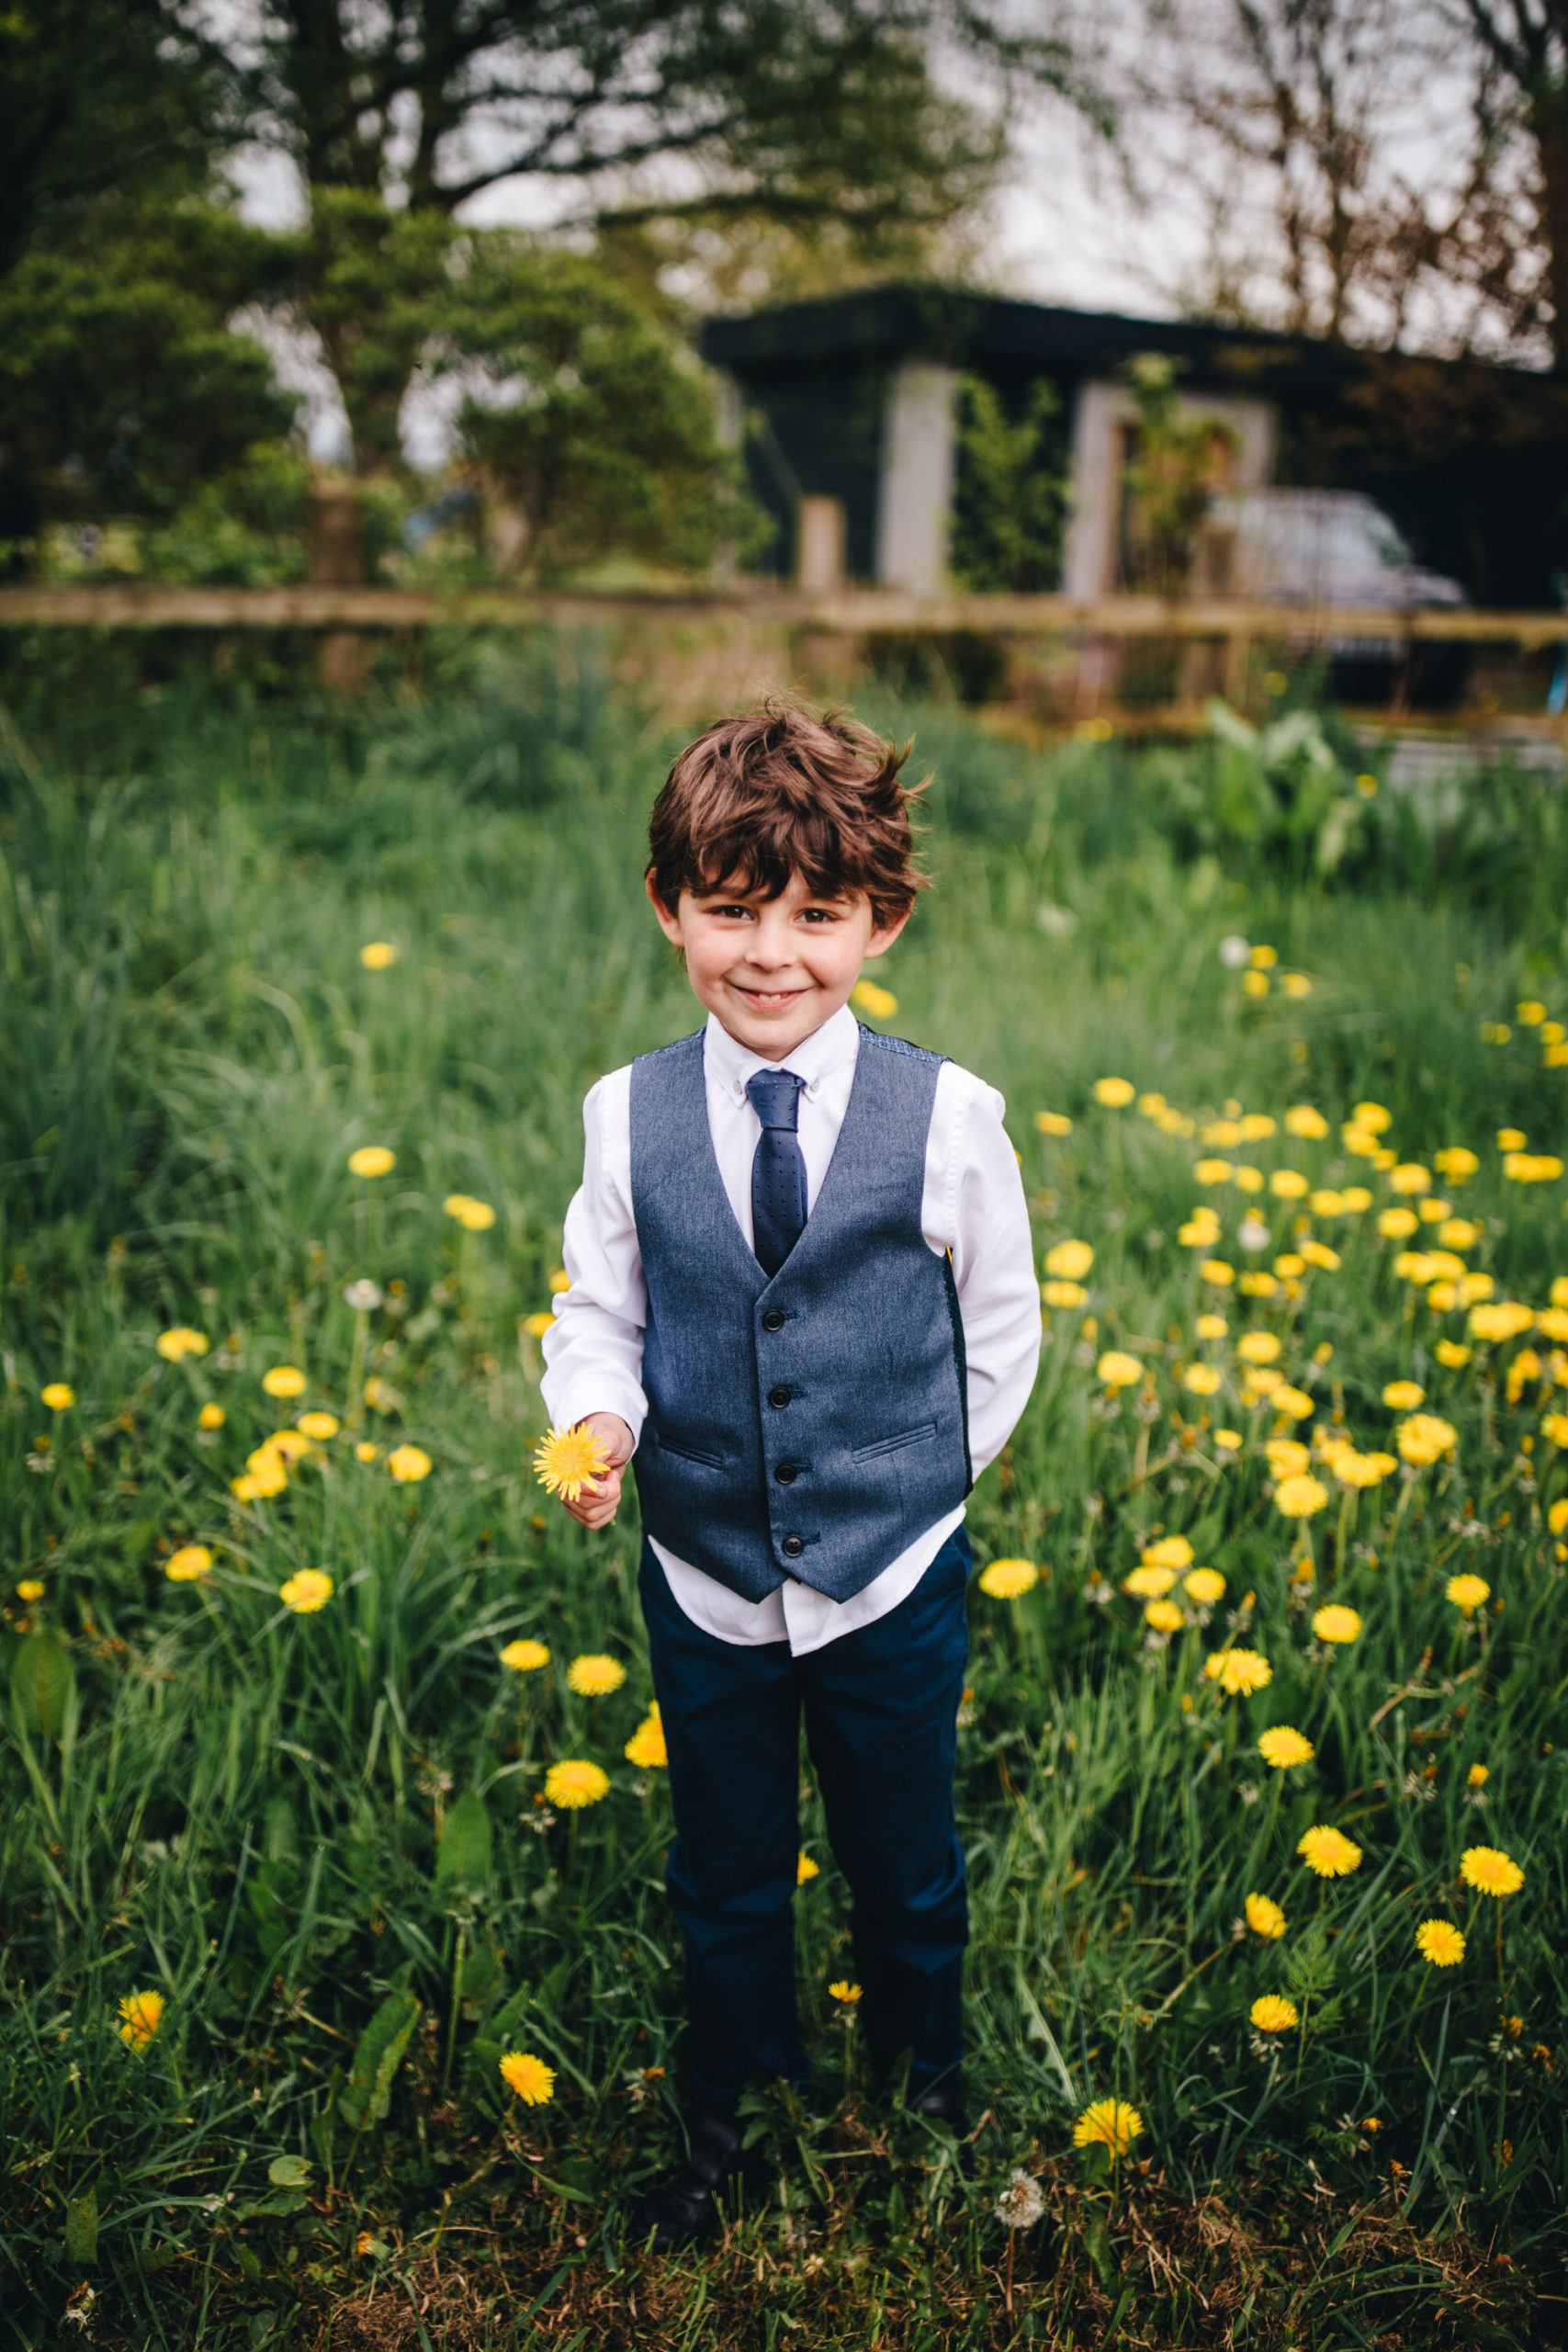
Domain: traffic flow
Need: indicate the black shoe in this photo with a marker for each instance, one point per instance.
(944, 2101)
(683, 2209)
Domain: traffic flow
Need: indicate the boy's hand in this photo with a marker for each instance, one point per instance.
(598, 1503)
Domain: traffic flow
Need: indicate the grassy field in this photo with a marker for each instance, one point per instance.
(320, 1837)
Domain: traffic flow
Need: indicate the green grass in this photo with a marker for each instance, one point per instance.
(243, 1809)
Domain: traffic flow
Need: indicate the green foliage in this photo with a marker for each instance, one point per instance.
(1011, 496)
(588, 418)
(1179, 460)
(275, 1820)
(123, 387)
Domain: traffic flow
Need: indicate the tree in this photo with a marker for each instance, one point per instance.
(582, 415)
(812, 114)
(1522, 87)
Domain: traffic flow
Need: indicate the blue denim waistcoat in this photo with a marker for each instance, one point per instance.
(815, 1425)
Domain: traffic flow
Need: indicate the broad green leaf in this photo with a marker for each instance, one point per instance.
(82, 2227)
(289, 2172)
(463, 1861)
(42, 1681)
(377, 2057)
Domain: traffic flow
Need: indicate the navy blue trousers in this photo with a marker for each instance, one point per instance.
(880, 1707)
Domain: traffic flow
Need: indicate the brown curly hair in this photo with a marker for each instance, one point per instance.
(778, 791)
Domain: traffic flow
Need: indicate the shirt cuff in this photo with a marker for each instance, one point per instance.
(597, 1392)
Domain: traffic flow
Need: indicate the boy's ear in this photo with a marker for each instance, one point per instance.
(668, 923)
(883, 934)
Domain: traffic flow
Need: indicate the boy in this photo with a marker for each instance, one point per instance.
(803, 1294)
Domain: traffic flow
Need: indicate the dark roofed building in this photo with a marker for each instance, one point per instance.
(853, 400)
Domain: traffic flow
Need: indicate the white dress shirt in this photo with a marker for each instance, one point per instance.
(972, 1203)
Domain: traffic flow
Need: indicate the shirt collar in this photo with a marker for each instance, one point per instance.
(814, 1059)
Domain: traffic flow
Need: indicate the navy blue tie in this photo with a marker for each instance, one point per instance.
(778, 1172)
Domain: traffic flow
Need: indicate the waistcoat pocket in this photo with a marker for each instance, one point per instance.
(690, 1453)
(894, 1444)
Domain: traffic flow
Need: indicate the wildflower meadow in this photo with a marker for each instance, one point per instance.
(338, 1997)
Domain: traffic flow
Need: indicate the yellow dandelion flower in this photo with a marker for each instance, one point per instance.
(1466, 1593)
(1439, 1941)
(1114, 1092)
(1424, 1438)
(474, 1217)
(1294, 1401)
(1271, 2013)
(1456, 1165)
(595, 1676)
(365, 1451)
(1410, 1177)
(211, 1417)
(1451, 1354)
(1211, 1326)
(409, 1463)
(372, 1159)
(284, 1380)
(182, 1341)
(529, 2077)
(1404, 1396)
(805, 1868)
(1006, 1579)
(574, 1783)
(1217, 1272)
(58, 1395)
(1151, 1581)
(1490, 1871)
(260, 1485)
(1257, 1347)
(1373, 1117)
(1289, 1184)
(646, 1747)
(1169, 1552)
(1239, 1673)
(1254, 983)
(537, 1325)
(1053, 1122)
(1281, 1746)
(1214, 1171)
(1300, 1119)
(569, 1459)
(1118, 1370)
(524, 1656)
(1164, 1617)
(1201, 1379)
(1205, 1586)
(1071, 1259)
(1288, 1457)
(1554, 1429)
(1330, 1853)
(191, 1561)
(1335, 1624)
(1300, 1497)
(140, 2015)
(376, 953)
(844, 1991)
(307, 1591)
(1500, 1319)
(1108, 2123)
(1397, 1224)
(1228, 1441)
(1265, 1918)
(1059, 1294)
(881, 1005)
(1478, 1776)
(32, 1588)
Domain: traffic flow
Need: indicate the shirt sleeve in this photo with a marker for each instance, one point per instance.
(593, 1349)
(973, 1205)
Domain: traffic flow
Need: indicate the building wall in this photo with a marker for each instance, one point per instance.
(1101, 415)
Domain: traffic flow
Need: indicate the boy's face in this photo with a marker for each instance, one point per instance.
(773, 969)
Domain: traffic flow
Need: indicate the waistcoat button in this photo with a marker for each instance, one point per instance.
(773, 1319)
(787, 1472)
(778, 1395)
(793, 1546)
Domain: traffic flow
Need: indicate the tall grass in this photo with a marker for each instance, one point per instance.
(274, 1820)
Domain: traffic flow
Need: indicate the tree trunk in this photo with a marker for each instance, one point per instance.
(1548, 126)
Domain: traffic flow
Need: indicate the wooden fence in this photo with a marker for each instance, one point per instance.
(852, 613)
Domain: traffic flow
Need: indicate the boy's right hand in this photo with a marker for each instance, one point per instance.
(598, 1503)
